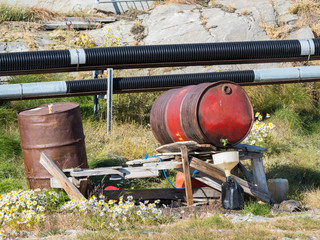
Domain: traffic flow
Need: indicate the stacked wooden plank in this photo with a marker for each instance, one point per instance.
(78, 23)
(185, 155)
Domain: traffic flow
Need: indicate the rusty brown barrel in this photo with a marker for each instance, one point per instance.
(59, 134)
(205, 113)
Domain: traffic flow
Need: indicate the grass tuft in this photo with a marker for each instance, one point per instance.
(257, 208)
(213, 221)
(311, 198)
(26, 14)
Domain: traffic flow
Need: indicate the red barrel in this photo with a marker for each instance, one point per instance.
(59, 134)
(205, 113)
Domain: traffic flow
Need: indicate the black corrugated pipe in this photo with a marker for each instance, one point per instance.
(156, 83)
(158, 55)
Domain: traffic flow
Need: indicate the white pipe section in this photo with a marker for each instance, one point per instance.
(294, 73)
(307, 47)
(32, 89)
(77, 56)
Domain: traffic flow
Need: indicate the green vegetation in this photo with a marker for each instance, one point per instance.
(15, 13)
(214, 221)
(10, 12)
(257, 208)
(293, 146)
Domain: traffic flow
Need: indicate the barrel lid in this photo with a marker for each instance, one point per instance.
(44, 110)
(225, 112)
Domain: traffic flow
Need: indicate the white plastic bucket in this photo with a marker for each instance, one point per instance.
(279, 188)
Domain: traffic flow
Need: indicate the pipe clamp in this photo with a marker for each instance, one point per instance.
(78, 56)
(307, 47)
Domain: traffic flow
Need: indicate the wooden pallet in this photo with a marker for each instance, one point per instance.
(183, 155)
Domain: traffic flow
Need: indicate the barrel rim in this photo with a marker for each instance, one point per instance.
(45, 105)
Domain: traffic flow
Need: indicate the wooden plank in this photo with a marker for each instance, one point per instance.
(148, 169)
(249, 155)
(147, 160)
(215, 184)
(54, 183)
(91, 19)
(162, 193)
(187, 175)
(250, 148)
(73, 25)
(172, 154)
(212, 171)
(175, 147)
(163, 165)
(259, 173)
(126, 173)
(246, 173)
(52, 168)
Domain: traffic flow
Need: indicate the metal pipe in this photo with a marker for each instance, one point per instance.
(24, 90)
(156, 83)
(159, 55)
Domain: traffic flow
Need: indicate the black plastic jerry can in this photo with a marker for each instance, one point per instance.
(232, 195)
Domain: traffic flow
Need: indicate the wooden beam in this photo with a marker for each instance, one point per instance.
(163, 165)
(249, 155)
(126, 173)
(212, 171)
(259, 173)
(250, 148)
(175, 147)
(187, 175)
(52, 168)
(191, 145)
(161, 193)
(246, 173)
(146, 160)
(215, 184)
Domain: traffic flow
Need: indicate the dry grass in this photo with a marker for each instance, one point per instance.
(312, 198)
(12, 31)
(244, 12)
(181, 1)
(214, 227)
(309, 12)
(211, 228)
(44, 14)
(278, 32)
(128, 140)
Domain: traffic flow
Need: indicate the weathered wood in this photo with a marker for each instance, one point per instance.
(246, 173)
(259, 173)
(126, 173)
(235, 170)
(212, 171)
(83, 185)
(52, 168)
(249, 155)
(147, 170)
(215, 184)
(147, 160)
(142, 161)
(91, 19)
(162, 193)
(250, 148)
(72, 25)
(191, 145)
(187, 175)
(78, 23)
(172, 154)
(163, 165)
(175, 147)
